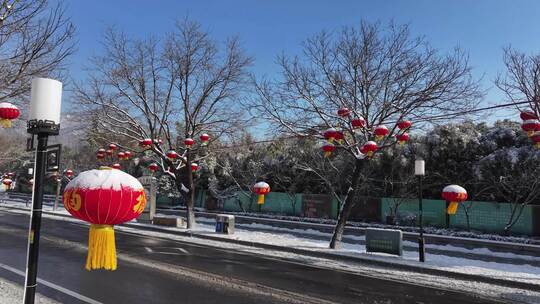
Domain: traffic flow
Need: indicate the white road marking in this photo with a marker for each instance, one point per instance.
(53, 286)
(148, 249)
(183, 250)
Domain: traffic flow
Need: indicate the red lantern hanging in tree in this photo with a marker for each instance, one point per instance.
(100, 154)
(358, 123)
(454, 194)
(121, 155)
(172, 155)
(153, 167)
(7, 182)
(10, 174)
(344, 112)
(536, 139)
(330, 134)
(530, 126)
(369, 148)
(380, 132)
(110, 152)
(404, 124)
(145, 143)
(328, 149)
(113, 147)
(69, 173)
(402, 138)
(8, 112)
(189, 142)
(127, 154)
(194, 167)
(116, 166)
(204, 138)
(339, 136)
(528, 115)
(104, 198)
(261, 189)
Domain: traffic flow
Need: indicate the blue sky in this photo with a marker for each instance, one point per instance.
(481, 27)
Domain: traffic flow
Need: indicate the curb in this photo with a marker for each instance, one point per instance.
(334, 256)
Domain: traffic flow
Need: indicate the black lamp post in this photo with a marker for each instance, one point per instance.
(419, 171)
(44, 120)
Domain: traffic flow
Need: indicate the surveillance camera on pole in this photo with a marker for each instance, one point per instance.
(43, 121)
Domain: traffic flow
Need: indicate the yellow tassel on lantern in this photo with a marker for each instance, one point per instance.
(260, 199)
(379, 137)
(5, 123)
(452, 208)
(101, 248)
(327, 153)
(530, 133)
(537, 145)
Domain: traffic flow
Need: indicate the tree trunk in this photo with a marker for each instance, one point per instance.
(347, 206)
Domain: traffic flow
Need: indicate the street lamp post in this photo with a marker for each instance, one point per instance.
(44, 120)
(419, 171)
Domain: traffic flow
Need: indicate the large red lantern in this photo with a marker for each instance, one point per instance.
(344, 112)
(380, 132)
(328, 149)
(528, 115)
(454, 194)
(404, 124)
(369, 148)
(8, 112)
(330, 134)
(189, 142)
(358, 123)
(261, 189)
(530, 126)
(104, 198)
(402, 138)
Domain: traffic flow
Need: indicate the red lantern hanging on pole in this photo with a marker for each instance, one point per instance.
(380, 132)
(369, 148)
(261, 189)
(104, 198)
(454, 194)
(8, 112)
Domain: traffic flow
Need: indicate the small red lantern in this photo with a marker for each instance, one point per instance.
(369, 148)
(104, 198)
(7, 182)
(110, 152)
(536, 139)
(194, 167)
(339, 136)
(358, 123)
(204, 138)
(127, 154)
(528, 115)
(121, 155)
(153, 167)
(454, 194)
(402, 138)
(404, 124)
(102, 151)
(11, 174)
(69, 173)
(189, 142)
(380, 132)
(330, 134)
(145, 143)
(172, 155)
(261, 189)
(8, 112)
(116, 166)
(344, 112)
(112, 147)
(100, 155)
(530, 126)
(328, 149)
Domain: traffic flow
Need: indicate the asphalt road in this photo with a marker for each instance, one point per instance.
(154, 270)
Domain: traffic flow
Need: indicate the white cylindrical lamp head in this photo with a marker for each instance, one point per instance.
(45, 106)
(419, 167)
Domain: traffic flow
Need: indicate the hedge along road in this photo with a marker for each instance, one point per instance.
(153, 270)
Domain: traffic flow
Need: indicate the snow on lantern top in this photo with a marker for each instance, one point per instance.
(104, 179)
(344, 112)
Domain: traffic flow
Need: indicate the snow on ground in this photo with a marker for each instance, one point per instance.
(512, 272)
(12, 293)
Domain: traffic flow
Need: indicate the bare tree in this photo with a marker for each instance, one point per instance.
(35, 40)
(381, 74)
(521, 82)
(181, 88)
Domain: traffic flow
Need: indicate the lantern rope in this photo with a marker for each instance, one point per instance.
(101, 248)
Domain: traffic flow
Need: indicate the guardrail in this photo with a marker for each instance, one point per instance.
(48, 199)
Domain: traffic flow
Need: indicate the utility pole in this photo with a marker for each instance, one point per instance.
(419, 171)
(44, 120)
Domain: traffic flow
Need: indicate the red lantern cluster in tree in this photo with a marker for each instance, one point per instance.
(369, 148)
(153, 167)
(380, 132)
(104, 198)
(8, 112)
(454, 195)
(194, 167)
(328, 149)
(261, 189)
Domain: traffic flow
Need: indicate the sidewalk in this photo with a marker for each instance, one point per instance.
(11, 293)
